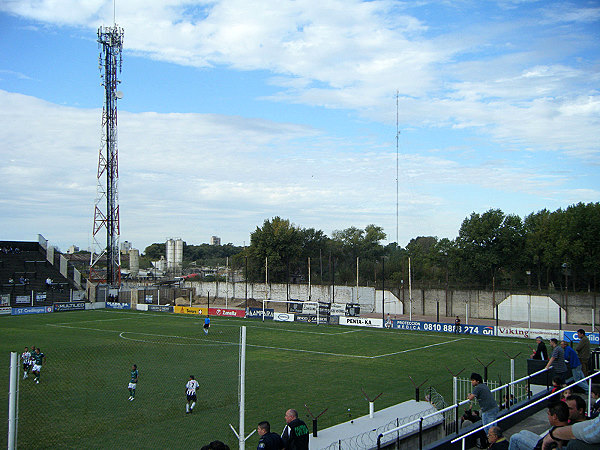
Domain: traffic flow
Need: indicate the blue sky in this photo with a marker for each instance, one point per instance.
(236, 111)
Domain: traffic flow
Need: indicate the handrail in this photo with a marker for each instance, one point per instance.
(448, 408)
(462, 437)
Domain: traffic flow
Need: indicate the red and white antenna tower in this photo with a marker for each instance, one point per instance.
(105, 261)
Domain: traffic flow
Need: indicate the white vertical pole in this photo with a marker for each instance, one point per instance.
(226, 281)
(266, 277)
(409, 291)
(242, 387)
(190, 298)
(512, 378)
(32, 298)
(309, 292)
(529, 312)
(357, 279)
(593, 319)
(371, 409)
(467, 313)
(455, 388)
(12, 402)
(158, 297)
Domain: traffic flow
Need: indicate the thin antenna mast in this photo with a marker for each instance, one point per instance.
(397, 169)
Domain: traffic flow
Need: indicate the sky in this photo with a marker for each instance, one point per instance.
(409, 115)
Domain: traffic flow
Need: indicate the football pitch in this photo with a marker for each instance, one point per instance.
(82, 400)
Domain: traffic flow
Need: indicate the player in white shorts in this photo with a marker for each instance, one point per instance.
(190, 392)
(26, 360)
(133, 382)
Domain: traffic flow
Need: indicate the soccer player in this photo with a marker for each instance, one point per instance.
(190, 392)
(206, 325)
(133, 382)
(38, 359)
(26, 360)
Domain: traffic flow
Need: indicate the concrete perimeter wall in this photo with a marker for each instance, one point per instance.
(577, 307)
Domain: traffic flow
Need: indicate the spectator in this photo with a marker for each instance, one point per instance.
(577, 408)
(564, 394)
(595, 409)
(558, 416)
(268, 440)
(557, 360)
(489, 407)
(583, 351)
(541, 352)
(457, 325)
(581, 435)
(575, 364)
(49, 283)
(496, 439)
(469, 417)
(295, 434)
(216, 445)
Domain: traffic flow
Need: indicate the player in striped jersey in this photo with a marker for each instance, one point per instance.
(190, 392)
(26, 360)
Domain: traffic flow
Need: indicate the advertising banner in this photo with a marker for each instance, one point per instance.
(257, 313)
(71, 306)
(283, 317)
(5, 310)
(22, 299)
(118, 305)
(160, 308)
(352, 309)
(324, 308)
(295, 307)
(464, 329)
(40, 297)
(78, 295)
(526, 333)
(226, 312)
(361, 322)
(188, 310)
(338, 309)
(31, 310)
(148, 298)
(572, 336)
(309, 308)
(4, 299)
(407, 325)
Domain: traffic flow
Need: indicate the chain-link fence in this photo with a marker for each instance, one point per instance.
(83, 401)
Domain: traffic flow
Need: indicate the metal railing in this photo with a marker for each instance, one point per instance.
(456, 407)
(589, 404)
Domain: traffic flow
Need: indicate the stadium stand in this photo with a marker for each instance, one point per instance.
(24, 269)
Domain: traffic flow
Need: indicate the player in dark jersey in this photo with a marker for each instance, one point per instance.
(38, 359)
(133, 382)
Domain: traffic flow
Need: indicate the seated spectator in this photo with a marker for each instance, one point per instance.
(558, 416)
(469, 417)
(580, 436)
(556, 386)
(216, 445)
(11, 281)
(22, 280)
(577, 409)
(48, 282)
(564, 394)
(595, 409)
(496, 439)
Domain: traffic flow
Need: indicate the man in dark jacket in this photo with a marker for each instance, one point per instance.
(295, 433)
(268, 440)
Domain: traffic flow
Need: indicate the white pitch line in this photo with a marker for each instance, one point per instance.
(418, 348)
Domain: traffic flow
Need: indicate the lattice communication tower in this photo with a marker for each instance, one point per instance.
(105, 261)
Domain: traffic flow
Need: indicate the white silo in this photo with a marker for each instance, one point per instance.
(134, 262)
(174, 255)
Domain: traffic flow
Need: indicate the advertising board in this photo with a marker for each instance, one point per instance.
(4, 299)
(338, 309)
(362, 322)
(5, 310)
(574, 337)
(160, 308)
(31, 310)
(22, 299)
(226, 312)
(71, 306)
(257, 313)
(118, 305)
(527, 333)
(189, 310)
(283, 317)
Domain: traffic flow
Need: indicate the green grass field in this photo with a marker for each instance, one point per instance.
(82, 399)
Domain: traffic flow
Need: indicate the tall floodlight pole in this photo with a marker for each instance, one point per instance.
(106, 207)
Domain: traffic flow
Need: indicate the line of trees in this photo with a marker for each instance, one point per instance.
(545, 250)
